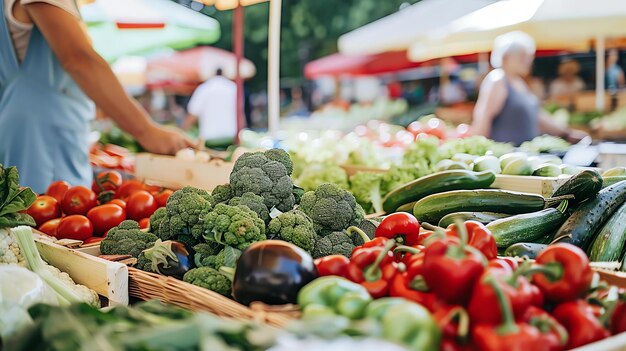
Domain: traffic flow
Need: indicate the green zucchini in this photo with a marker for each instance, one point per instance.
(408, 208)
(585, 222)
(609, 243)
(436, 183)
(434, 207)
(584, 185)
(528, 227)
(482, 217)
(528, 250)
(608, 181)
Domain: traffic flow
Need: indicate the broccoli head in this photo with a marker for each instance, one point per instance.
(297, 193)
(366, 189)
(314, 175)
(126, 239)
(156, 219)
(331, 208)
(209, 278)
(143, 263)
(336, 243)
(266, 174)
(206, 252)
(236, 226)
(227, 257)
(295, 227)
(185, 209)
(222, 193)
(253, 202)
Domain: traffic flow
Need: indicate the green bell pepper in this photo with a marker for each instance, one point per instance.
(336, 294)
(411, 325)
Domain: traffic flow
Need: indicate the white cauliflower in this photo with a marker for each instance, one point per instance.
(86, 294)
(9, 250)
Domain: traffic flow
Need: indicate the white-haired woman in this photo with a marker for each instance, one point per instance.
(506, 109)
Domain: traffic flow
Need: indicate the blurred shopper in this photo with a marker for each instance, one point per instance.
(49, 73)
(614, 73)
(214, 107)
(537, 87)
(451, 90)
(568, 84)
(506, 109)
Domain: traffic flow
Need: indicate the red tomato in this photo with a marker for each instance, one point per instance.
(75, 227)
(153, 189)
(144, 223)
(105, 217)
(140, 205)
(128, 188)
(50, 227)
(121, 203)
(58, 189)
(162, 198)
(93, 239)
(44, 209)
(416, 128)
(436, 127)
(105, 181)
(78, 200)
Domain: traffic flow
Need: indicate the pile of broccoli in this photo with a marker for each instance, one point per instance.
(331, 208)
(266, 174)
(294, 227)
(127, 239)
(209, 278)
(222, 193)
(236, 226)
(336, 243)
(253, 202)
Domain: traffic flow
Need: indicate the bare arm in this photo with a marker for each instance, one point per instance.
(490, 101)
(189, 121)
(69, 42)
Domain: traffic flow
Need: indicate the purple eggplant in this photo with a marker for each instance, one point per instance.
(170, 258)
(273, 272)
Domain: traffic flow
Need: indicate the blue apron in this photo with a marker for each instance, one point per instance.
(44, 115)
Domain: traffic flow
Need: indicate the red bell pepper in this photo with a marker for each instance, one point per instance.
(553, 334)
(367, 242)
(508, 336)
(374, 268)
(332, 265)
(451, 269)
(409, 283)
(454, 324)
(484, 308)
(405, 254)
(536, 296)
(618, 318)
(580, 322)
(478, 236)
(400, 226)
(508, 263)
(563, 273)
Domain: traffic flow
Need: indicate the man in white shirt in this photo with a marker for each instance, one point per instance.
(213, 105)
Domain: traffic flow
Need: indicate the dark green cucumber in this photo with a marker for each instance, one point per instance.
(528, 227)
(528, 250)
(434, 207)
(482, 217)
(582, 226)
(583, 186)
(406, 207)
(436, 183)
(608, 181)
(609, 243)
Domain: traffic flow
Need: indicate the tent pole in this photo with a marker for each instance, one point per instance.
(238, 22)
(273, 68)
(600, 72)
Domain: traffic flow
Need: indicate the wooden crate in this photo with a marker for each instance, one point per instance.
(544, 186)
(173, 173)
(108, 279)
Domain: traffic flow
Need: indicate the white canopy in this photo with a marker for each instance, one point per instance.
(399, 30)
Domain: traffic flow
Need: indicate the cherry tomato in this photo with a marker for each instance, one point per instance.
(121, 203)
(162, 198)
(50, 227)
(140, 205)
(105, 181)
(93, 239)
(44, 209)
(144, 223)
(105, 217)
(75, 227)
(128, 188)
(58, 189)
(78, 200)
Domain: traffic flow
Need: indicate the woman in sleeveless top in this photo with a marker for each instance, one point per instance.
(506, 110)
(49, 73)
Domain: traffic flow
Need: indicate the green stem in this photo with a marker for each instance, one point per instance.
(407, 249)
(229, 272)
(373, 271)
(431, 227)
(542, 322)
(555, 200)
(418, 283)
(460, 314)
(359, 232)
(508, 325)
(462, 231)
(526, 265)
(553, 271)
(563, 206)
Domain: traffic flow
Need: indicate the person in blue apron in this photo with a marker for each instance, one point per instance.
(49, 75)
(506, 109)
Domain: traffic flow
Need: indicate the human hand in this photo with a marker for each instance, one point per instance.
(575, 135)
(166, 141)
